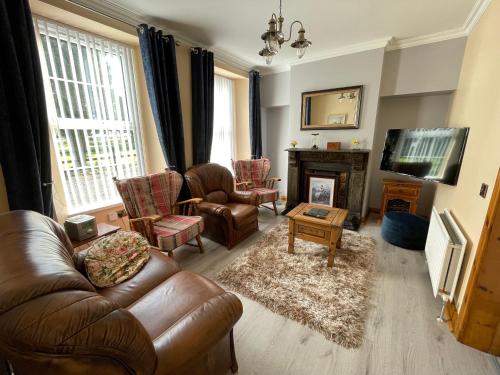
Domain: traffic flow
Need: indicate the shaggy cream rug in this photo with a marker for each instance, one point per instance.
(333, 301)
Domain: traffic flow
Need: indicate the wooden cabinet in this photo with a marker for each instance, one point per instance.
(400, 196)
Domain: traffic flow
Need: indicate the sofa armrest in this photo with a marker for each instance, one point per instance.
(214, 209)
(197, 332)
(251, 198)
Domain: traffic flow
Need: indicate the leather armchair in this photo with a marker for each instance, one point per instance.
(229, 215)
(54, 321)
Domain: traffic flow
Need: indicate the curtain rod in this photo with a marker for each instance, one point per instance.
(111, 17)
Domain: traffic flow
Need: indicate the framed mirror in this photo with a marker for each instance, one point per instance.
(331, 109)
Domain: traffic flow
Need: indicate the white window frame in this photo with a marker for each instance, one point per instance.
(112, 125)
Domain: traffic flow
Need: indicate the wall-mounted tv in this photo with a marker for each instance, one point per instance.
(431, 154)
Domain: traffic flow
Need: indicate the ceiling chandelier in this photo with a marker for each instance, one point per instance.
(274, 38)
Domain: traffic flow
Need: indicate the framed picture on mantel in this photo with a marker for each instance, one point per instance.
(331, 109)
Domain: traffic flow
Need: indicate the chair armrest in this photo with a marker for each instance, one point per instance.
(145, 226)
(214, 209)
(269, 182)
(187, 207)
(153, 218)
(243, 186)
(192, 200)
(251, 198)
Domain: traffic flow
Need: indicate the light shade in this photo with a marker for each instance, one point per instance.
(267, 55)
(301, 52)
(301, 43)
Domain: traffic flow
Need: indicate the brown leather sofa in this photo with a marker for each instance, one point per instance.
(54, 321)
(229, 216)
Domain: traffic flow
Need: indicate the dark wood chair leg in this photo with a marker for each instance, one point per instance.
(234, 362)
(275, 209)
(200, 244)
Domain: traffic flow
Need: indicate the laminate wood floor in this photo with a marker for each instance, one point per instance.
(402, 335)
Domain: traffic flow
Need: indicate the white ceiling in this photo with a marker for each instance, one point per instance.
(233, 27)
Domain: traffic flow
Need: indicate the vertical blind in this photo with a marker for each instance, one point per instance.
(223, 136)
(96, 135)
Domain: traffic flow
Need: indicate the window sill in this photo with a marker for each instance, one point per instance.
(90, 210)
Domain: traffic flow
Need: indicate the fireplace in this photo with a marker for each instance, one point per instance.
(347, 168)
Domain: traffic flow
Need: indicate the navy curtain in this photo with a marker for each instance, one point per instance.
(24, 129)
(202, 86)
(255, 122)
(160, 69)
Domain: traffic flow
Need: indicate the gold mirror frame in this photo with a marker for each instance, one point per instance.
(341, 117)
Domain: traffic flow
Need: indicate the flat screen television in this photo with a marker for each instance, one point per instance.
(431, 154)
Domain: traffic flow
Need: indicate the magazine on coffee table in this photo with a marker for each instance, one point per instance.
(317, 213)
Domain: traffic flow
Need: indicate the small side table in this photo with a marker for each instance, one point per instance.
(326, 231)
(103, 229)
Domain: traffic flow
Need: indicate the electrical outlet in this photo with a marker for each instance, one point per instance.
(121, 213)
(112, 216)
(484, 190)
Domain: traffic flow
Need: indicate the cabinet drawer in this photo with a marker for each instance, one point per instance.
(402, 190)
(303, 229)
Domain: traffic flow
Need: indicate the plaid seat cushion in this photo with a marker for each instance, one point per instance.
(267, 195)
(175, 230)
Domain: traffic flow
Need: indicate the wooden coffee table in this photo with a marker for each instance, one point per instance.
(326, 231)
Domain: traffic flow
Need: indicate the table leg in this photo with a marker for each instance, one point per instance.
(291, 236)
(332, 248)
(339, 240)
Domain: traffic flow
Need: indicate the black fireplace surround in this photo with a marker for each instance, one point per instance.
(347, 167)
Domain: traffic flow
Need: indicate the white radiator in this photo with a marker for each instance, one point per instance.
(444, 250)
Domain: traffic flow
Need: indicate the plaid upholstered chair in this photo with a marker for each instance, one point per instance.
(153, 210)
(252, 175)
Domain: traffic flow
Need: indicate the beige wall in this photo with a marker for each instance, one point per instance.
(242, 122)
(476, 104)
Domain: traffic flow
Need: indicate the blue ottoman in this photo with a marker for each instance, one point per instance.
(405, 230)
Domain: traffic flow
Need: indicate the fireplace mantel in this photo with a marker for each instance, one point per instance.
(350, 164)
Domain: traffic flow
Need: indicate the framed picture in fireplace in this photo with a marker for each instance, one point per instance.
(321, 191)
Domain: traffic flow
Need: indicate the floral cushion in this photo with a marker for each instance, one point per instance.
(116, 258)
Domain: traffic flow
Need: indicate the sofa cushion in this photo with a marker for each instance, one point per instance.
(159, 268)
(116, 258)
(173, 231)
(195, 314)
(243, 214)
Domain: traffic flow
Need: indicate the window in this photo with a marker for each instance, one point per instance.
(96, 132)
(223, 135)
